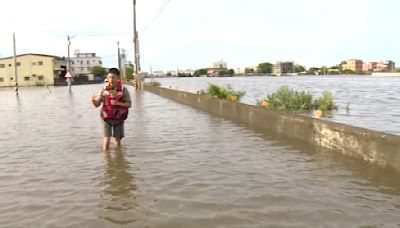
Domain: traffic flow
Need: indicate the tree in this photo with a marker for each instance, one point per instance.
(299, 69)
(249, 70)
(266, 67)
(348, 71)
(314, 70)
(129, 71)
(200, 72)
(98, 71)
(336, 67)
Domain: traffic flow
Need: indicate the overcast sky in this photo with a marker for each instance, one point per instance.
(195, 33)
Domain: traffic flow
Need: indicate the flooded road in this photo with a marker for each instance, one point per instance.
(364, 101)
(179, 167)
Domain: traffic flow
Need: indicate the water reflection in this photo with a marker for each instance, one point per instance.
(120, 189)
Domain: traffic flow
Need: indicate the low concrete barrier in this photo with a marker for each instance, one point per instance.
(376, 147)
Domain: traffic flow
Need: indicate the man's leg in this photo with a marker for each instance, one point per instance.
(118, 141)
(107, 135)
(118, 133)
(106, 143)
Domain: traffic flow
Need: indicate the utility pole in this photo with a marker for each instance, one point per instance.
(123, 64)
(15, 66)
(69, 60)
(69, 75)
(119, 56)
(136, 48)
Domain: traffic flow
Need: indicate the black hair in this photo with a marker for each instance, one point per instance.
(114, 71)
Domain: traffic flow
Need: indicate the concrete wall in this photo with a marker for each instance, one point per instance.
(378, 148)
(382, 74)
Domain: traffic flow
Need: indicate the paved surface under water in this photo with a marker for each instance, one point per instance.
(364, 101)
(179, 167)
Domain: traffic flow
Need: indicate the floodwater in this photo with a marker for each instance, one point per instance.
(364, 101)
(179, 167)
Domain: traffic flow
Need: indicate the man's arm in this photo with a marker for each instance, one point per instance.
(125, 104)
(126, 101)
(96, 100)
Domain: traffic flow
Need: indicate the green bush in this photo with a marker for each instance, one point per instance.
(292, 100)
(289, 99)
(223, 92)
(326, 102)
(153, 83)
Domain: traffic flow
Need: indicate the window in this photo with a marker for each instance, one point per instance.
(41, 77)
(2, 65)
(27, 78)
(88, 68)
(40, 63)
(88, 62)
(34, 75)
(1, 79)
(73, 69)
(72, 62)
(100, 62)
(94, 60)
(18, 64)
(10, 65)
(33, 63)
(11, 79)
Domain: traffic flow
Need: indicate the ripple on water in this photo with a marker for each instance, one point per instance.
(179, 167)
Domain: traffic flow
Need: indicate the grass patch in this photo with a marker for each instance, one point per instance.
(153, 84)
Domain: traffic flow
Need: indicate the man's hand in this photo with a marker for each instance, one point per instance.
(96, 100)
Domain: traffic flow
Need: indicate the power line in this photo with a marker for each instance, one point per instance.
(102, 35)
(160, 10)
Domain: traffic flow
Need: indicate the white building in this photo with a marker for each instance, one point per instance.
(158, 73)
(219, 65)
(216, 68)
(82, 64)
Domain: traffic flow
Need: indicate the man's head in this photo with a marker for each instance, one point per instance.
(113, 75)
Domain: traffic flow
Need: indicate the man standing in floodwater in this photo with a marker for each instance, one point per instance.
(116, 102)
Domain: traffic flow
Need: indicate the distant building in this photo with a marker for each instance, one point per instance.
(379, 66)
(355, 65)
(385, 66)
(282, 68)
(217, 67)
(32, 70)
(240, 70)
(366, 67)
(252, 70)
(172, 73)
(158, 73)
(82, 64)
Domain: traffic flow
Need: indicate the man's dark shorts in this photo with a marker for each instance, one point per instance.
(114, 129)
